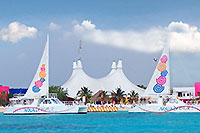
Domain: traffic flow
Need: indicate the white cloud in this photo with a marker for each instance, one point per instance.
(182, 37)
(85, 26)
(16, 32)
(53, 26)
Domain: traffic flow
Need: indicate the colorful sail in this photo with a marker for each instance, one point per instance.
(40, 83)
(160, 81)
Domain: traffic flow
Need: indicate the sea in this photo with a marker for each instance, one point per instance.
(109, 122)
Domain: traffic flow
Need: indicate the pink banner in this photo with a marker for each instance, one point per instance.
(4, 92)
(197, 89)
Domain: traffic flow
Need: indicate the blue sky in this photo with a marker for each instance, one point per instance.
(147, 22)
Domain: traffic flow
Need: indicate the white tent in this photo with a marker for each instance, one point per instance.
(116, 78)
(80, 79)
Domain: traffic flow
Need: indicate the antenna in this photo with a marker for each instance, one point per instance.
(79, 50)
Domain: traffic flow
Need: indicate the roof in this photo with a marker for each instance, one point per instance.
(182, 89)
(18, 90)
(116, 78)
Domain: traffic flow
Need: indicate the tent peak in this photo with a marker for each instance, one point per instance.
(119, 65)
(114, 66)
(74, 65)
(79, 64)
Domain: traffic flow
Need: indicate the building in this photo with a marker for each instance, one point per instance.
(187, 93)
(18, 91)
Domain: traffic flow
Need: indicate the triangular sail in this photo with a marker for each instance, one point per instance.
(40, 83)
(160, 81)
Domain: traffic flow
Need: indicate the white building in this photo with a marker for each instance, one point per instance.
(184, 92)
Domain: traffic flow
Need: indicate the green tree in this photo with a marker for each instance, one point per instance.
(3, 98)
(133, 96)
(61, 92)
(85, 92)
(119, 94)
(105, 95)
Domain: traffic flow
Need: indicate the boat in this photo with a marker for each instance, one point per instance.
(41, 106)
(37, 100)
(157, 97)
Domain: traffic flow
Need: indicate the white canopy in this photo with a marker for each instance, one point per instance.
(116, 78)
(80, 79)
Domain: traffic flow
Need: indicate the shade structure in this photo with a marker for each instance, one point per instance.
(116, 78)
(80, 79)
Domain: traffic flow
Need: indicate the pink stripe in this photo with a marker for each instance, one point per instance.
(170, 109)
(41, 110)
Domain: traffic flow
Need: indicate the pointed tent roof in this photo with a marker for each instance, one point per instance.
(116, 78)
(113, 69)
(119, 79)
(80, 79)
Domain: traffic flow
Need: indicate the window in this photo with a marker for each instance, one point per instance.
(179, 94)
(41, 100)
(58, 101)
(47, 102)
(54, 101)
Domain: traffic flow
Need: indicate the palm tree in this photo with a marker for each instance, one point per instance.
(85, 92)
(133, 95)
(61, 92)
(105, 95)
(119, 94)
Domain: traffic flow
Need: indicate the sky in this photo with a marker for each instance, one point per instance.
(132, 30)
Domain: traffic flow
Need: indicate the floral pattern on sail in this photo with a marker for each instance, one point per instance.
(39, 83)
(161, 80)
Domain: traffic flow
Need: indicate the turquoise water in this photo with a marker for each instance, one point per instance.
(103, 122)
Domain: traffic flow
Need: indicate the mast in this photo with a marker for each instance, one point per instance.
(47, 44)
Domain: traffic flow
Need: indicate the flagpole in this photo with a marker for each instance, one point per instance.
(79, 50)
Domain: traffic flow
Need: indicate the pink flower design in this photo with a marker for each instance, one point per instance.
(161, 80)
(164, 59)
(42, 68)
(38, 83)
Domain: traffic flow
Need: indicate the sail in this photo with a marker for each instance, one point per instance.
(40, 83)
(160, 81)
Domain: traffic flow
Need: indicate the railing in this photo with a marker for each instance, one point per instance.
(72, 103)
(20, 102)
